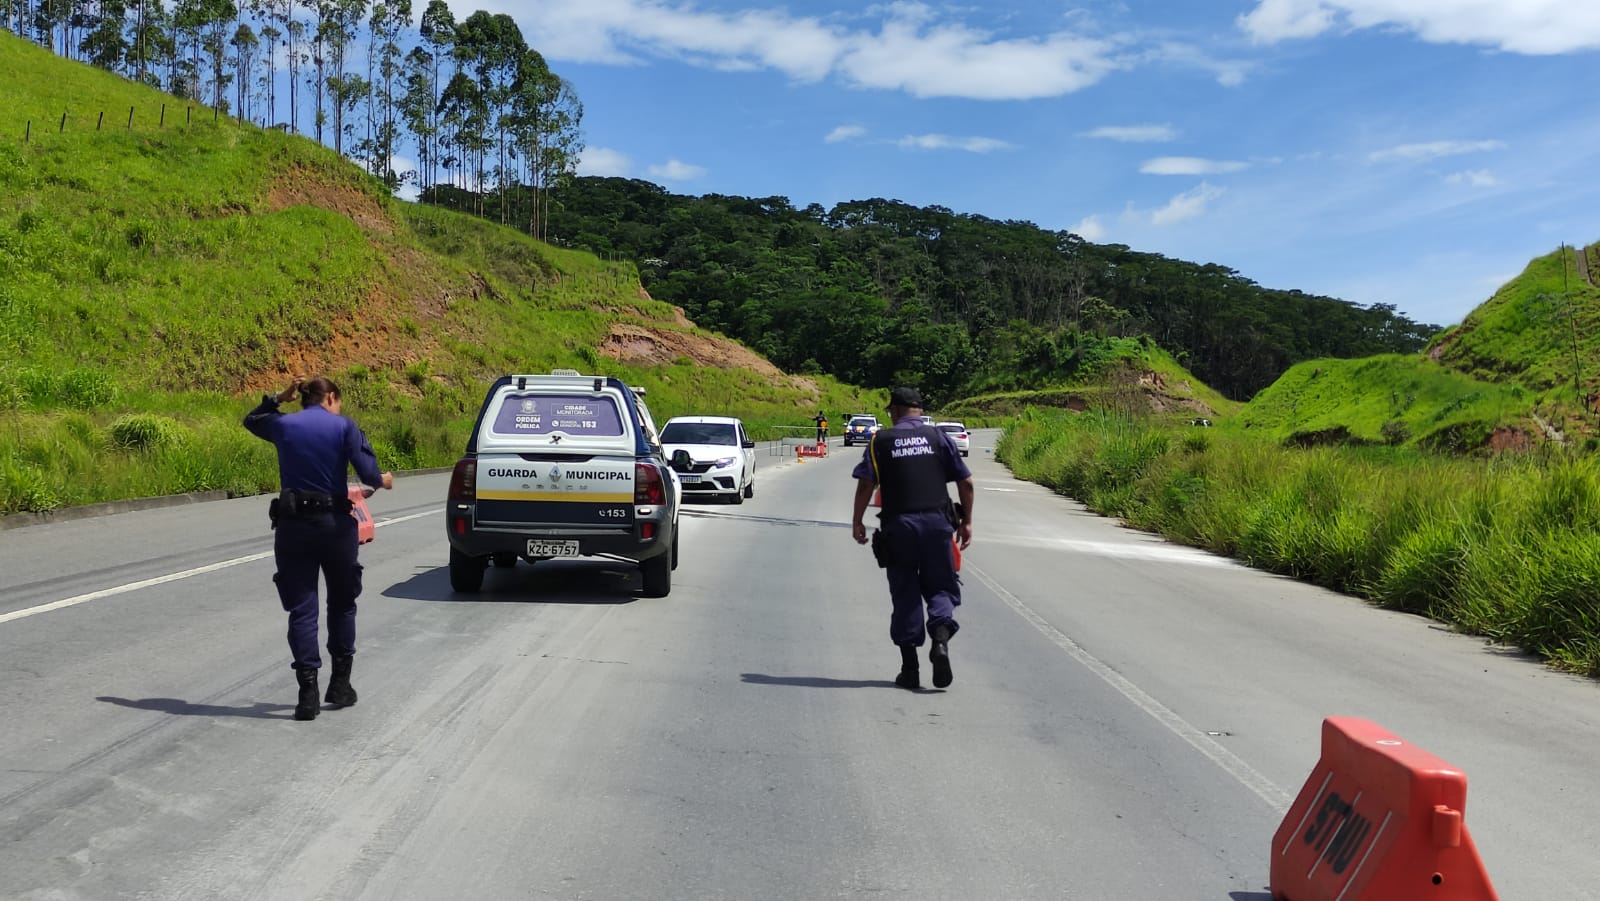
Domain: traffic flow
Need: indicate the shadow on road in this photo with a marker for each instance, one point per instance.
(820, 682)
(1249, 896)
(260, 710)
(587, 580)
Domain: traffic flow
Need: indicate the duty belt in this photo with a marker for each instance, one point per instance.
(300, 504)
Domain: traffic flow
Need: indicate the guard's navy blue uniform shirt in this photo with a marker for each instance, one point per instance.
(955, 468)
(316, 448)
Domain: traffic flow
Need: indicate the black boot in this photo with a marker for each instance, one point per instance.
(340, 694)
(909, 677)
(308, 707)
(939, 655)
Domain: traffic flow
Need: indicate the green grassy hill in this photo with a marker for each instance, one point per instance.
(154, 280)
(1519, 371)
(1133, 377)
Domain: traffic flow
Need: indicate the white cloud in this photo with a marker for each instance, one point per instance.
(604, 162)
(675, 170)
(948, 142)
(1089, 229)
(1135, 134)
(845, 133)
(1517, 26)
(1432, 150)
(1475, 178)
(1187, 205)
(913, 49)
(1190, 165)
(1280, 20)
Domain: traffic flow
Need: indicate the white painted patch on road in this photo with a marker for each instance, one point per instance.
(1196, 738)
(1163, 553)
(171, 577)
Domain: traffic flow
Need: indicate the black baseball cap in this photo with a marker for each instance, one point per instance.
(905, 397)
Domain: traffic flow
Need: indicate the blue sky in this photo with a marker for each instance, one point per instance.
(1413, 152)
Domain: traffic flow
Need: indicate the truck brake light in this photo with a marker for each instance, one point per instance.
(647, 485)
(464, 481)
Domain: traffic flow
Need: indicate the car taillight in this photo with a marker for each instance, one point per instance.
(961, 435)
(647, 486)
(464, 481)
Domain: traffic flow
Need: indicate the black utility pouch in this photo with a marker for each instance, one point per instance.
(272, 512)
(880, 548)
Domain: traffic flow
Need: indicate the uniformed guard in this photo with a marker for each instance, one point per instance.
(910, 462)
(821, 419)
(314, 529)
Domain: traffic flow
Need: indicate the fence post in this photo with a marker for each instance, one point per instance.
(188, 115)
(214, 111)
(27, 133)
(100, 121)
(163, 122)
(63, 123)
(130, 117)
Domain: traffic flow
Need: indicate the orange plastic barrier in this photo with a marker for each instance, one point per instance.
(1378, 820)
(365, 529)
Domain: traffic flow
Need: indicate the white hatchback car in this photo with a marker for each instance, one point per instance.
(713, 456)
(958, 435)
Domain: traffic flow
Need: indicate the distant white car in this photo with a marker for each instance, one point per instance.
(713, 456)
(958, 435)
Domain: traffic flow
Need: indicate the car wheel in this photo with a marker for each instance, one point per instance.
(657, 573)
(674, 547)
(737, 497)
(750, 489)
(504, 559)
(963, 453)
(466, 572)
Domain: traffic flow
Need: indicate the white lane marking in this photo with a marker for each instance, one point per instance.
(171, 577)
(1166, 553)
(1006, 490)
(1263, 787)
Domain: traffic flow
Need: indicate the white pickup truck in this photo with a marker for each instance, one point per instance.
(562, 465)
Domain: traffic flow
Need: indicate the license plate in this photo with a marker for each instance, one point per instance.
(688, 479)
(537, 548)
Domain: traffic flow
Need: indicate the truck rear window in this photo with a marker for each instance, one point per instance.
(540, 414)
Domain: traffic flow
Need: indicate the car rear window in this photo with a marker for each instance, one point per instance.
(540, 414)
(863, 420)
(953, 427)
(699, 433)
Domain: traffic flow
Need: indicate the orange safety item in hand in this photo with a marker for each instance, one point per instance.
(366, 530)
(1378, 820)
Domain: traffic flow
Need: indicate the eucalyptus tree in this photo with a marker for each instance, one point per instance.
(106, 45)
(219, 15)
(281, 21)
(548, 119)
(425, 66)
(464, 128)
(340, 23)
(150, 43)
(492, 48)
(269, 74)
(244, 43)
(384, 67)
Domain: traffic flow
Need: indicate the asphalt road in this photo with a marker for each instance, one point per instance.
(1129, 719)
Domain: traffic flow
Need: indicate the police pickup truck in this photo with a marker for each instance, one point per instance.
(562, 465)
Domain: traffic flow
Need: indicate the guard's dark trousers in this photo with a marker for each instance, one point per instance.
(305, 548)
(923, 571)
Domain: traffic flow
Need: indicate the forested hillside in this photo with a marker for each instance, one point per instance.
(878, 291)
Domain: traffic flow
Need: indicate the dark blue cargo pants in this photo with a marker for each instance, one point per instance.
(305, 547)
(923, 573)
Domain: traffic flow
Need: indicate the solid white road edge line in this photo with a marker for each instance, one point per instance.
(1263, 787)
(170, 577)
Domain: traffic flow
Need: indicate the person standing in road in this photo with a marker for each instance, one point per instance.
(314, 529)
(909, 463)
(821, 419)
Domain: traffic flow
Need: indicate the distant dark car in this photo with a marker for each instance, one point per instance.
(859, 430)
